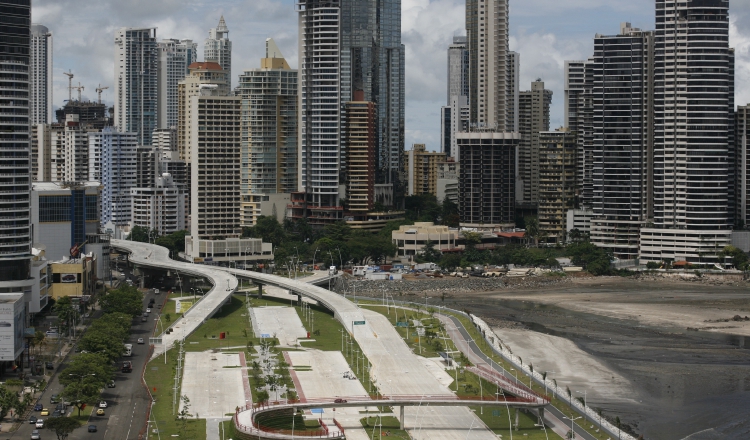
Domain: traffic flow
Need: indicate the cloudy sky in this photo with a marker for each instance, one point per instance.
(544, 32)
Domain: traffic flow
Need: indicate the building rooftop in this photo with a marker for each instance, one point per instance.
(205, 65)
(61, 186)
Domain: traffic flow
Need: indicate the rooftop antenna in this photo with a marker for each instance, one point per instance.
(99, 90)
(70, 84)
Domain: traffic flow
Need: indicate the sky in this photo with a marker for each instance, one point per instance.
(544, 32)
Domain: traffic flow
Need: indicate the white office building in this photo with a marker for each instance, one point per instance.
(40, 75)
(112, 162)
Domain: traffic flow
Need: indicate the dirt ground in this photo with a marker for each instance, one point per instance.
(675, 352)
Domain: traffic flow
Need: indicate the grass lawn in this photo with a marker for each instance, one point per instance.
(159, 378)
(389, 429)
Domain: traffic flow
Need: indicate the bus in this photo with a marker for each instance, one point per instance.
(128, 350)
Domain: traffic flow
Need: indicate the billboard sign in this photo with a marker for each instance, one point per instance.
(68, 278)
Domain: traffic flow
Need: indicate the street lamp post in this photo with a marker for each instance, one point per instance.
(572, 426)
(314, 255)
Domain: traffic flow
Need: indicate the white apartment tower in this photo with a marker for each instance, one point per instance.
(487, 35)
(112, 162)
(214, 143)
(40, 75)
(136, 73)
(218, 48)
(161, 207)
(513, 90)
(174, 58)
(455, 115)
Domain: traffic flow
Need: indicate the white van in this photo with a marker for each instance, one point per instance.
(332, 270)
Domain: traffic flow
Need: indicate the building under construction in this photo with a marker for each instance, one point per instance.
(90, 114)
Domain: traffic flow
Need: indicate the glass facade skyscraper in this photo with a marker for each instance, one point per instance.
(348, 46)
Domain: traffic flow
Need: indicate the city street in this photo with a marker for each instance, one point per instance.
(125, 415)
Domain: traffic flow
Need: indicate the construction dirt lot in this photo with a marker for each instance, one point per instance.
(668, 357)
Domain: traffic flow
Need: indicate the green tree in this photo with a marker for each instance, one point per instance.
(63, 308)
(532, 229)
(184, 412)
(472, 239)
(126, 299)
(268, 229)
(596, 260)
(262, 396)
(429, 253)
(739, 258)
(450, 261)
(61, 426)
(139, 233)
(339, 231)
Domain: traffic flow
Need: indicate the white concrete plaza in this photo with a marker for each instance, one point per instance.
(214, 383)
(280, 322)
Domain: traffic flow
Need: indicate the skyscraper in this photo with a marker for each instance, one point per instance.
(742, 167)
(455, 115)
(574, 86)
(693, 118)
(622, 91)
(487, 35)
(348, 46)
(513, 90)
(112, 163)
(40, 75)
(15, 229)
(218, 48)
(136, 68)
(269, 131)
(557, 182)
(533, 118)
(174, 58)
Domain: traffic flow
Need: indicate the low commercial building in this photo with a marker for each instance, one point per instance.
(238, 250)
(411, 239)
(75, 277)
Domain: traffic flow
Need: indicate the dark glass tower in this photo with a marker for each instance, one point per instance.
(348, 47)
(15, 177)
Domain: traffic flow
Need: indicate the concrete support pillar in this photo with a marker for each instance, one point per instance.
(517, 417)
(299, 300)
(541, 416)
(260, 290)
(401, 419)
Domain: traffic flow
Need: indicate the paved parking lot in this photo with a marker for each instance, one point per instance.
(213, 382)
(283, 322)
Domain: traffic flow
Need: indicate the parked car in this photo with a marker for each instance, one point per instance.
(54, 399)
(144, 319)
(339, 401)
(148, 310)
(40, 423)
(49, 365)
(57, 413)
(111, 384)
(38, 407)
(45, 412)
(140, 340)
(92, 428)
(32, 420)
(35, 435)
(100, 412)
(103, 404)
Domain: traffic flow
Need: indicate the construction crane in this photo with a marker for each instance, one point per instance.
(80, 88)
(70, 85)
(99, 90)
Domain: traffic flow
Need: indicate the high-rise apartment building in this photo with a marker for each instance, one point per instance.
(693, 132)
(15, 181)
(742, 167)
(165, 140)
(533, 118)
(422, 169)
(214, 143)
(557, 182)
(136, 79)
(62, 151)
(160, 207)
(357, 45)
(360, 155)
(513, 90)
(90, 114)
(200, 73)
(487, 36)
(269, 131)
(573, 88)
(486, 190)
(455, 115)
(174, 58)
(40, 75)
(622, 92)
(218, 48)
(112, 162)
